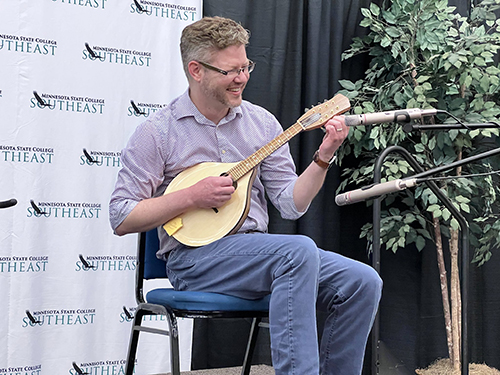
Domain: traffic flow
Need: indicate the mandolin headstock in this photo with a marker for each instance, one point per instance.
(333, 107)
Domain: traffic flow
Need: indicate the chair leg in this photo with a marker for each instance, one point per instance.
(174, 343)
(134, 339)
(173, 333)
(252, 340)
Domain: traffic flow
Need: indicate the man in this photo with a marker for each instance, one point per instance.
(210, 122)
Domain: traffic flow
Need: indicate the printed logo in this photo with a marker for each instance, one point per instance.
(143, 109)
(61, 317)
(127, 314)
(24, 264)
(67, 103)
(164, 10)
(32, 319)
(22, 370)
(24, 44)
(78, 369)
(101, 158)
(99, 367)
(84, 3)
(116, 55)
(106, 263)
(26, 154)
(64, 210)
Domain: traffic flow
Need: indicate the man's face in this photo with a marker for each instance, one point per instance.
(224, 90)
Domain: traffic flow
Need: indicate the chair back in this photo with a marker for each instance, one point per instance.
(148, 265)
(154, 268)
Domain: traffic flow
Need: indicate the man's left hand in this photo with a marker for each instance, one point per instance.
(336, 132)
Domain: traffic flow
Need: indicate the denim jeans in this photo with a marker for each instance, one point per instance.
(301, 278)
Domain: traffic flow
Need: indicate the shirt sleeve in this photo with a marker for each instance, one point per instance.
(141, 173)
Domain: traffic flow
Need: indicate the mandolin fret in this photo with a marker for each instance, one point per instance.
(245, 166)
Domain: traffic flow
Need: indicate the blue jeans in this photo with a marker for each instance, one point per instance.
(301, 278)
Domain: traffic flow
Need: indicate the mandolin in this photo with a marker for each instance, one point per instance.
(202, 226)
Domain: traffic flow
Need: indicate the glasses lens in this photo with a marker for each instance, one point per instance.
(235, 72)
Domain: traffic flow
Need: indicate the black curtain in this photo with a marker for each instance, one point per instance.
(297, 45)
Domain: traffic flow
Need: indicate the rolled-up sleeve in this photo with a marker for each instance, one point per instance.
(141, 173)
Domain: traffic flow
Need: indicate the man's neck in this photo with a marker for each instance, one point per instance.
(215, 112)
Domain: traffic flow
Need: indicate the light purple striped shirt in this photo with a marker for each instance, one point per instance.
(179, 136)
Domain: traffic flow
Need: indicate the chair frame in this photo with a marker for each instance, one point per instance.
(144, 309)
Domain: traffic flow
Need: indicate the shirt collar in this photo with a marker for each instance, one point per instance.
(186, 108)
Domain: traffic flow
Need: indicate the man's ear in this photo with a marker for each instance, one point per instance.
(195, 69)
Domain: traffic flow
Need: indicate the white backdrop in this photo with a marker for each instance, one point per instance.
(76, 75)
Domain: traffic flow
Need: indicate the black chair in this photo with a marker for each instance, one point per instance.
(186, 304)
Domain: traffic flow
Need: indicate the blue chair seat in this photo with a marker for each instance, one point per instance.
(202, 301)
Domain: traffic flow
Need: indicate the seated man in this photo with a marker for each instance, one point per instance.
(211, 123)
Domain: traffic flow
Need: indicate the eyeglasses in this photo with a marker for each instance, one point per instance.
(233, 72)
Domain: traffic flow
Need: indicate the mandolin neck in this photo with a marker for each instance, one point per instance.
(245, 166)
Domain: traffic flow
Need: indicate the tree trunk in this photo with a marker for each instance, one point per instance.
(455, 300)
(456, 297)
(444, 286)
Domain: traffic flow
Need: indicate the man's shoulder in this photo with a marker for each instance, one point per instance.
(252, 108)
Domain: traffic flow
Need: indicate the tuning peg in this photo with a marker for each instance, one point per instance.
(306, 109)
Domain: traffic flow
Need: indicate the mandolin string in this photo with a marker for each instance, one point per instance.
(245, 166)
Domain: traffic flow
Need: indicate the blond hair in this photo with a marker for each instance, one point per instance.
(208, 35)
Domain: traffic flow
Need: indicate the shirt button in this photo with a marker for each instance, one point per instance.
(223, 151)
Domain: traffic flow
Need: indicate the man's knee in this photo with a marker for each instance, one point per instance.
(371, 282)
(302, 252)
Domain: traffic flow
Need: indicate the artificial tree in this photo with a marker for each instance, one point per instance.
(424, 54)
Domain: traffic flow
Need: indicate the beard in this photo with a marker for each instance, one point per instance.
(220, 94)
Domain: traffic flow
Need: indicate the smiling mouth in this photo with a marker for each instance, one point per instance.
(235, 90)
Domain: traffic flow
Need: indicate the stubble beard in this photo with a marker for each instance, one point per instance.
(219, 94)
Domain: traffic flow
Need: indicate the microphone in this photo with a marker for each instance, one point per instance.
(374, 190)
(9, 203)
(403, 115)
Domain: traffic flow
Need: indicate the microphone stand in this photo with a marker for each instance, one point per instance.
(464, 266)
(407, 127)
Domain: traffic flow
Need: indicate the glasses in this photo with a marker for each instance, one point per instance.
(233, 72)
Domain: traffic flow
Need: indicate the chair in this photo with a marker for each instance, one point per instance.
(187, 304)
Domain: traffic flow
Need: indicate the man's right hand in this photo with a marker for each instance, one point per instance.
(212, 191)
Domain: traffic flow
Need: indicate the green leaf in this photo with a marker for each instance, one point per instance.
(433, 207)
(465, 207)
(366, 12)
(420, 243)
(348, 85)
(485, 83)
(393, 32)
(374, 8)
(386, 41)
(479, 61)
(419, 147)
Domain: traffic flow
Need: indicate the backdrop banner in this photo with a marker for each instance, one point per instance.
(76, 78)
